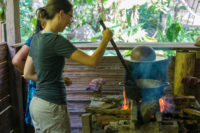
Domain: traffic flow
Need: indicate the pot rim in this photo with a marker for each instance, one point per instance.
(143, 83)
(159, 58)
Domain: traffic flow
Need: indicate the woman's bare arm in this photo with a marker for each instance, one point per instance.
(29, 70)
(19, 59)
(95, 58)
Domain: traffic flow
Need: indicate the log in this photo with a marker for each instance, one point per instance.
(192, 112)
(115, 111)
(184, 102)
(147, 110)
(184, 66)
(108, 99)
(103, 105)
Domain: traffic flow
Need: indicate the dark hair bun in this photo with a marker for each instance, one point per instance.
(42, 13)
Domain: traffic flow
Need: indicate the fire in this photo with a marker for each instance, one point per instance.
(167, 104)
(162, 105)
(125, 105)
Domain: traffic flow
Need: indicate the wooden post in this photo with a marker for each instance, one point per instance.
(12, 22)
(15, 80)
(184, 66)
(197, 64)
(1, 32)
(87, 123)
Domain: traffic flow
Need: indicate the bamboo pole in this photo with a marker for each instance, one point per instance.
(184, 66)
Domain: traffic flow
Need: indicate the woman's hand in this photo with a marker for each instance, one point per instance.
(107, 34)
(68, 81)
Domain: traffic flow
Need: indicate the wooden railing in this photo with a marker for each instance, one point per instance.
(127, 46)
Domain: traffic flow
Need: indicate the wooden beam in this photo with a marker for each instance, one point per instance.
(15, 80)
(12, 22)
(130, 46)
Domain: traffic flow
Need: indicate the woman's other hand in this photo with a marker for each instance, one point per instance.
(68, 81)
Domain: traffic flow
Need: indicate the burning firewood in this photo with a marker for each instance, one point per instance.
(195, 114)
(147, 110)
(108, 99)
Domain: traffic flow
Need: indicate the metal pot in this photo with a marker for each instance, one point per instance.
(147, 90)
(156, 69)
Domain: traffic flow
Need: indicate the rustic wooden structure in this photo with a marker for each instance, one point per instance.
(112, 71)
(12, 111)
(110, 68)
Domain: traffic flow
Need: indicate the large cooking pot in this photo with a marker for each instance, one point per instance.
(156, 69)
(149, 89)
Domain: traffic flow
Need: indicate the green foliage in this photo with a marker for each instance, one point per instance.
(176, 32)
(148, 16)
(27, 20)
(125, 28)
(173, 31)
(2, 13)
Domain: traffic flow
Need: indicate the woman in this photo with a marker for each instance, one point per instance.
(45, 64)
(19, 61)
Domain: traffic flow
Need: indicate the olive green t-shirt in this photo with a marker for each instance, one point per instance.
(48, 52)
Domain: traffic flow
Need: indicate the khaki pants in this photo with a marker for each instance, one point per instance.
(49, 117)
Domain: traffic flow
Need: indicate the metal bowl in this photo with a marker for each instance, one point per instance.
(143, 53)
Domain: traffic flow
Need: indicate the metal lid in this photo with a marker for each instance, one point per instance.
(158, 58)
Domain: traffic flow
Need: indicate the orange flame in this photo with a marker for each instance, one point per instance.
(125, 105)
(162, 105)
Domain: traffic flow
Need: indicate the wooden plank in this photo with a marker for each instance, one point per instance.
(4, 102)
(5, 120)
(3, 52)
(131, 45)
(155, 45)
(86, 123)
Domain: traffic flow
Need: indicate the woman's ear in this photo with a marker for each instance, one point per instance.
(43, 24)
(61, 13)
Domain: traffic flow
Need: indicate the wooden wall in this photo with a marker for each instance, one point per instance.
(5, 103)
(109, 68)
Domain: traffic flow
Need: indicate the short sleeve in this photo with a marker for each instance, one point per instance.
(31, 46)
(64, 47)
(28, 42)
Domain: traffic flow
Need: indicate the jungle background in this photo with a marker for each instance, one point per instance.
(130, 20)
